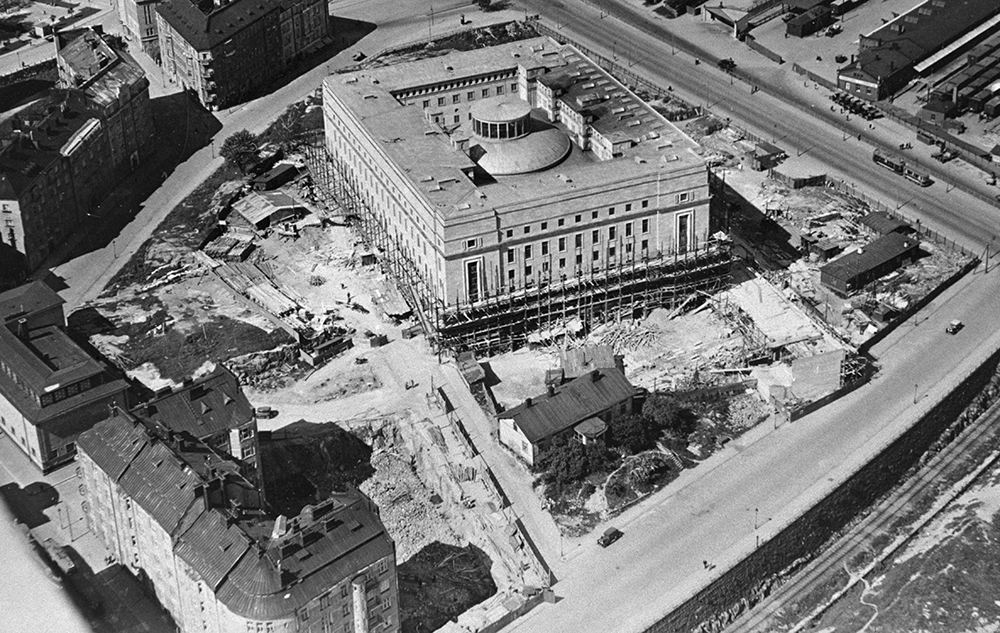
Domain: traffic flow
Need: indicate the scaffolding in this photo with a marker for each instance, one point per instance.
(502, 322)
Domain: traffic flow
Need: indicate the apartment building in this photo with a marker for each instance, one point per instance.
(227, 52)
(180, 515)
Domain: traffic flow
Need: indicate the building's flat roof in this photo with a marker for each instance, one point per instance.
(426, 155)
(255, 575)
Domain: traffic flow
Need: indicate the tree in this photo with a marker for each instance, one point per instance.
(240, 150)
(668, 414)
(634, 433)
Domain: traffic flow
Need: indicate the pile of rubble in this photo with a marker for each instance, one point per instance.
(406, 505)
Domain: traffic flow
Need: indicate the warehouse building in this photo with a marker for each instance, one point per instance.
(860, 267)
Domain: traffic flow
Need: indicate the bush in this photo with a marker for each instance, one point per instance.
(567, 461)
(634, 433)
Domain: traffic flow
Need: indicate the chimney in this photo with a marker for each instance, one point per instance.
(595, 375)
(22, 328)
(552, 390)
(527, 402)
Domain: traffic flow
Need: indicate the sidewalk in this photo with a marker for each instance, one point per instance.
(107, 596)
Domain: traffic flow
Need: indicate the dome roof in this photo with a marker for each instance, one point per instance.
(500, 109)
(534, 152)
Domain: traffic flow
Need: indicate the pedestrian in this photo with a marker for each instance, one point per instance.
(705, 563)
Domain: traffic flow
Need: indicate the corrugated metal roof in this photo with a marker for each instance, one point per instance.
(570, 404)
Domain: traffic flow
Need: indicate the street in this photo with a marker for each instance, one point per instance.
(830, 142)
(761, 482)
(398, 23)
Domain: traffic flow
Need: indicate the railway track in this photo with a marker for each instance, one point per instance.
(956, 457)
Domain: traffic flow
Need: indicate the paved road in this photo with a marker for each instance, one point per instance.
(708, 514)
(87, 275)
(821, 136)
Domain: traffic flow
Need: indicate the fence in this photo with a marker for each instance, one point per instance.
(763, 50)
(878, 205)
(823, 81)
(919, 305)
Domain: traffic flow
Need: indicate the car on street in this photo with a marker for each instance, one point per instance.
(266, 413)
(610, 536)
(954, 327)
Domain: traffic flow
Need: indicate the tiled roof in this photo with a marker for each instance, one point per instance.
(254, 575)
(586, 396)
(205, 407)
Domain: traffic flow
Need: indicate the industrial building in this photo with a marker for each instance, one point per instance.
(228, 51)
(916, 42)
(51, 389)
(860, 267)
(63, 154)
(516, 187)
(583, 406)
(179, 515)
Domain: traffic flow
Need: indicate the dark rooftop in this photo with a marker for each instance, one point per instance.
(98, 69)
(26, 299)
(42, 355)
(261, 567)
(204, 26)
(919, 32)
(32, 139)
(875, 254)
(569, 404)
(203, 408)
(882, 223)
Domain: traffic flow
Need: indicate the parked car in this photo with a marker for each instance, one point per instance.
(266, 413)
(954, 327)
(610, 536)
(358, 56)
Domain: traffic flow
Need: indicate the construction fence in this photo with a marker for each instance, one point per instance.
(919, 305)
(823, 81)
(878, 205)
(763, 50)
